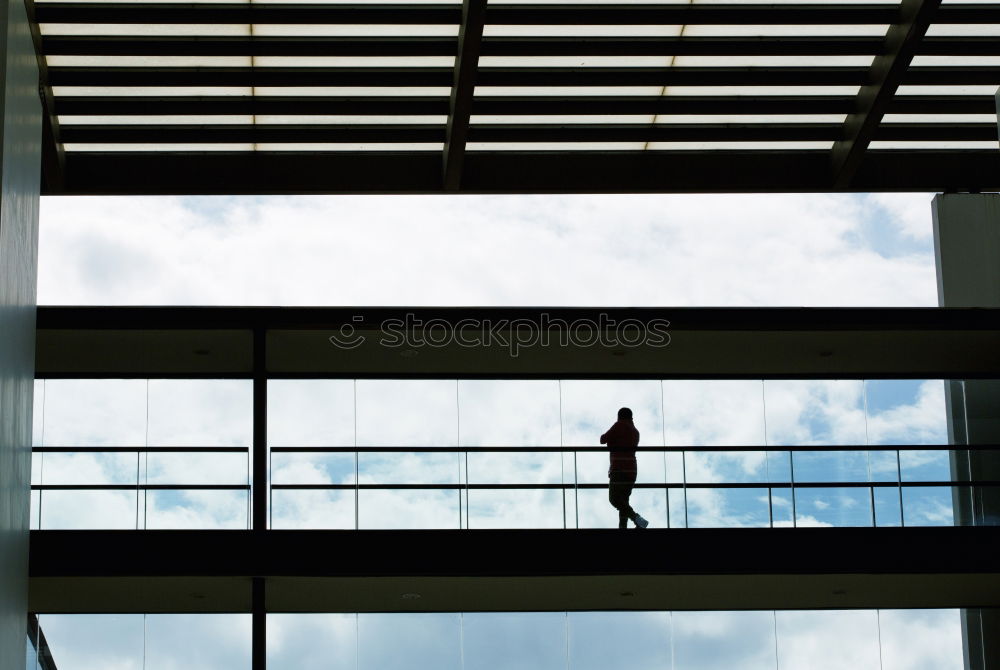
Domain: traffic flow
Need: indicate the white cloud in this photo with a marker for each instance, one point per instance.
(478, 250)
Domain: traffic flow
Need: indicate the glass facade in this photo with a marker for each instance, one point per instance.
(440, 453)
(138, 454)
(645, 640)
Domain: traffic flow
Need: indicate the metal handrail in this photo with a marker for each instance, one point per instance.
(658, 449)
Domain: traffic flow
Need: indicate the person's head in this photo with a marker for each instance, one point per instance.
(624, 414)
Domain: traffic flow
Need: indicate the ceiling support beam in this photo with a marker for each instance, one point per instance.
(53, 156)
(886, 74)
(470, 40)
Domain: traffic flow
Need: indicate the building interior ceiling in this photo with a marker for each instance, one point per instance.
(331, 97)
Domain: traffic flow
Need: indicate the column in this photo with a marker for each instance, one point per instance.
(20, 139)
(967, 258)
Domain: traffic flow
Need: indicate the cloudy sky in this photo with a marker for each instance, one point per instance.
(811, 250)
(600, 250)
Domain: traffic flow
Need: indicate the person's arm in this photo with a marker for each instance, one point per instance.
(606, 436)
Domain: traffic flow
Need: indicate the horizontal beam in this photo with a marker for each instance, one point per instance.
(683, 318)
(114, 45)
(486, 76)
(77, 45)
(499, 14)
(671, 14)
(822, 343)
(504, 570)
(509, 105)
(577, 132)
(176, 173)
(494, 76)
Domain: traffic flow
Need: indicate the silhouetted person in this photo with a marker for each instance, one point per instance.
(622, 439)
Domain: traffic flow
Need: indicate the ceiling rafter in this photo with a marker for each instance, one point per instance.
(470, 40)
(887, 73)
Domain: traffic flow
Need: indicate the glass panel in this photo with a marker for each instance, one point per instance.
(200, 412)
(180, 29)
(678, 508)
(832, 507)
(828, 639)
(717, 413)
(594, 509)
(511, 413)
(350, 146)
(90, 468)
(312, 641)
(148, 61)
(197, 642)
(910, 411)
(38, 413)
(95, 412)
(312, 509)
(516, 508)
(407, 412)
(194, 468)
(887, 509)
(921, 639)
(35, 510)
(196, 509)
(359, 29)
(69, 510)
(814, 411)
(723, 640)
(514, 641)
(601, 640)
(781, 508)
(354, 61)
(71, 146)
(408, 509)
(552, 30)
(321, 468)
(408, 468)
(95, 640)
(750, 30)
(728, 508)
(713, 412)
(139, 120)
(831, 466)
(391, 641)
(928, 506)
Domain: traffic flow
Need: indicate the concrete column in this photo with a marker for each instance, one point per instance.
(20, 165)
(967, 257)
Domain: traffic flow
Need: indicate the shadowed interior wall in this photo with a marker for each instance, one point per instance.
(967, 258)
(19, 187)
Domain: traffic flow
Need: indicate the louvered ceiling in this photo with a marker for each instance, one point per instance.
(272, 97)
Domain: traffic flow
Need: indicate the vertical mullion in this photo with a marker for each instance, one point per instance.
(259, 448)
(258, 624)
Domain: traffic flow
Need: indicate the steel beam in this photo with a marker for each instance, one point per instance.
(888, 70)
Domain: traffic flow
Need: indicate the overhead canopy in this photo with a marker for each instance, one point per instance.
(418, 97)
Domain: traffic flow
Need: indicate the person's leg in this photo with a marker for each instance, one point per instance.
(618, 492)
(626, 509)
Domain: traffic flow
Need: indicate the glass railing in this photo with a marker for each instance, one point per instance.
(489, 453)
(845, 486)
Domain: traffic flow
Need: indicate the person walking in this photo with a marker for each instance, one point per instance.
(622, 439)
